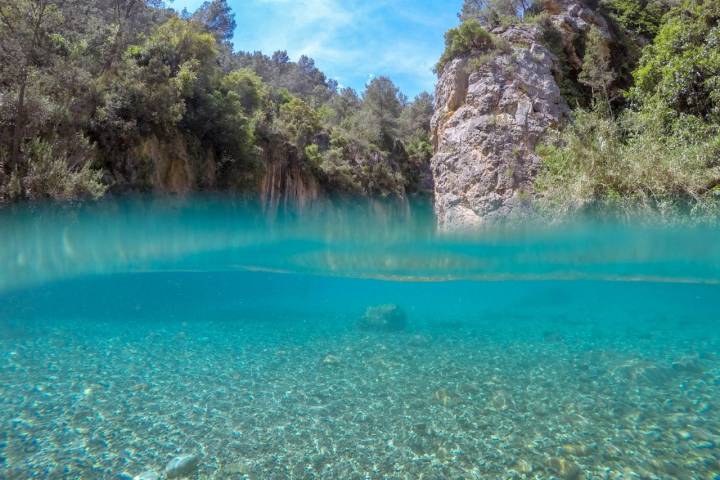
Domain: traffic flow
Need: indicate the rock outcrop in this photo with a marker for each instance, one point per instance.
(489, 119)
(285, 180)
(165, 164)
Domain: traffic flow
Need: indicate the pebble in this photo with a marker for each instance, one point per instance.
(330, 360)
(148, 475)
(182, 466)
(236, 468)
(704, 445)
(566, 469)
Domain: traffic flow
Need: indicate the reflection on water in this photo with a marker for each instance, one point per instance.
(324, 345)
(370, 240)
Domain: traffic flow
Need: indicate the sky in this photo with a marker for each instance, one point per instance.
(350, 40)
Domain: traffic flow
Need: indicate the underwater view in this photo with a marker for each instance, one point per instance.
(207, 339)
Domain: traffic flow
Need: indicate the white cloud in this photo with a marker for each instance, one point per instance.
(350, 39)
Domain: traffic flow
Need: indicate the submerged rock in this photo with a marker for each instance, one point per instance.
(147, 475)
(419, 341)
(383, 318)
(182, 466)
(566, 469)
(330, 360)
(236, 468)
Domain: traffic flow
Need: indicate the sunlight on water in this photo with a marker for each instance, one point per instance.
(352, 342)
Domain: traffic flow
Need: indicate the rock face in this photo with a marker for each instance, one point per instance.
(489, 119)
(285, 181)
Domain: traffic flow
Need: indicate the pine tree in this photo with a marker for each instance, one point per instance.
(596, 70)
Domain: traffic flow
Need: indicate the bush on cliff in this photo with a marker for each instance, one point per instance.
(470, 38)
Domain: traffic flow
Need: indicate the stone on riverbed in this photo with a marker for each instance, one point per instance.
(383, 318)
(147, 475)
(182, 466)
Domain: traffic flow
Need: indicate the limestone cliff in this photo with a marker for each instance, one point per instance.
(170, 165)
(285, 181)
(488, 120)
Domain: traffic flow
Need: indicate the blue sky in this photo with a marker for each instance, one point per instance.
(350, 40)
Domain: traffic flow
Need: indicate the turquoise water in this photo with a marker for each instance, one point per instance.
(134, 332)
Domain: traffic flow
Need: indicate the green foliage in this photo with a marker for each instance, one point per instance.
(299, 121)
(642, 17)
(217, 18)
(173, 64)
(470, 38)
(301, 79)
(415, 169)
(663, 158)
(494, 13)
(652, 162)
(382, 105)
(56, 174)
(245, 89)
(596, 70)
(148, 87)
(681, 69)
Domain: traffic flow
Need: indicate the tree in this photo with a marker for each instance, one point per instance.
(343, 105)
(415, 117)
(383, 103)
(217, 18)
(681, 69)
(299, 121)
(492, 13)
(597, 72)
(163, 74)
(642, 17)
(122, 18)
(28, 37)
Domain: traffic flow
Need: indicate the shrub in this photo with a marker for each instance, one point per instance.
(52, 173)
(650, 162)
(470, 38)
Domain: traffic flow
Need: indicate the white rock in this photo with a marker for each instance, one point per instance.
(147, 475)
(182, 466)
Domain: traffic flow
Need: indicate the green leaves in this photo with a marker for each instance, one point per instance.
(642, 17)
(641, 163)
(299, 121)
(597, 73)
(470, 38)
(682, 66)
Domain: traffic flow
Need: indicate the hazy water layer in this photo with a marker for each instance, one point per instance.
(131, 333)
